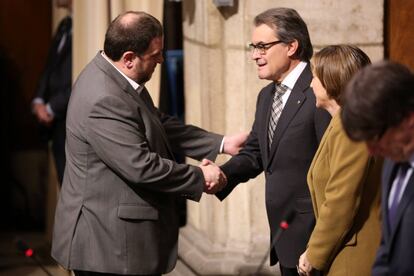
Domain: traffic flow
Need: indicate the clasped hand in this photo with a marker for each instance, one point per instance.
(215, 180)
(42, 115)
(304, 268)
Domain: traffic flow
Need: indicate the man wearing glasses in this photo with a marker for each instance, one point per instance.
(285, 134)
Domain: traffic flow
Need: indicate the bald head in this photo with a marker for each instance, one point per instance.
(131, 31)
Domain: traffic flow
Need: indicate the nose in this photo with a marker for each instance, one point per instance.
(255, 54)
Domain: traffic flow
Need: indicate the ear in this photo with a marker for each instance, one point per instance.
(128, 59)
(292, 48)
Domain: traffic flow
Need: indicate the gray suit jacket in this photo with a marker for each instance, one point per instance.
(299, 130)
(116, 212)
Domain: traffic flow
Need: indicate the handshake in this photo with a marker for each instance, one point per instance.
(215, 179)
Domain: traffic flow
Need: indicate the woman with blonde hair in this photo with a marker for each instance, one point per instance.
(343, 179)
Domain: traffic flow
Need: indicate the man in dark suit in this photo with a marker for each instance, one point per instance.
(379, 109)
(53, 91)
(117, 209)
(286, 131)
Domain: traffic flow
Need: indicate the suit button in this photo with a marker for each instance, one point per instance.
(269, 171)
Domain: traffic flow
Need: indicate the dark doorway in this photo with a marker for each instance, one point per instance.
(172, 75)
(25, 34)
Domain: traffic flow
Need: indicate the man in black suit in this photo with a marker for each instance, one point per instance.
(379, 109)
(286, 131)
(52, 95)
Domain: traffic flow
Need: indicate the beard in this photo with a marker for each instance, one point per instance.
(145, 76)
(143, 79)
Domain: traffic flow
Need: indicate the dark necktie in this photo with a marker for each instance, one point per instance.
(146, 98)
(277, 107)
(392, 212)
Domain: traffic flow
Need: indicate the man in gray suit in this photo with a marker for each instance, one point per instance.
(116, 212)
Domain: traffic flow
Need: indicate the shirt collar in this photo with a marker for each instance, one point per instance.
(133, 83)
(294, 75)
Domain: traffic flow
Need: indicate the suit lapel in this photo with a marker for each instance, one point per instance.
(388, 177)
(67, 46)
(146, 105)
(321, 145)
(112, 73)
(405, 200)
(268, 100)
(63, 29)
(292, 106)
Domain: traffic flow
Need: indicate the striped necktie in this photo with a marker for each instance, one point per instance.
(277, 107)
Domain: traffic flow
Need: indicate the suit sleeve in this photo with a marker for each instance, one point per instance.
(120, 142)
(44, 77)
(59, 102)
(55, 84)
(190, 140)
(247, 164)
(348, 166)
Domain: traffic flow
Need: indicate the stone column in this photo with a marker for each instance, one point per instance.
(221, 87)
(90, 21)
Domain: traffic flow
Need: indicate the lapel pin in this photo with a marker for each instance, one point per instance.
(298, 102)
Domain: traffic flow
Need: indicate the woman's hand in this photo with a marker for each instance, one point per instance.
(304, 267)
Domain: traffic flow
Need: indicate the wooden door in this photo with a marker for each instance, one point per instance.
(399, 31)
(25, 36)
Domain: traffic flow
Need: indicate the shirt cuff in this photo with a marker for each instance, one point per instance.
(222, 145)
(36, 100)
(50, 110)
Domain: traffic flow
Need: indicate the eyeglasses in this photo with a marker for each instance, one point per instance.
(263, 47)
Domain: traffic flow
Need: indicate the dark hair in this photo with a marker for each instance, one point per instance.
(288, 27)
(377, 98)
(131, 31)
(335, 65)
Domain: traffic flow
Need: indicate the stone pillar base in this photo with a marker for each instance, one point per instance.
(206, 258)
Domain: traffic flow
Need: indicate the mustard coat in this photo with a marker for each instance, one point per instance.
(344, 182)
